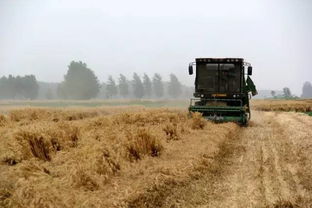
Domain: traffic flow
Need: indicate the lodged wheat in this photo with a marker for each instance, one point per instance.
(65, 158)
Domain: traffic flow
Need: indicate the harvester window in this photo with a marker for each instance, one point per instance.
(229, 78)
(225, 72)
(221, 78)
(227, 67)
(207, 75)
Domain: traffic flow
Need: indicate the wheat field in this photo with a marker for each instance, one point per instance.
(75, 157)
(283, 105)
(133, 156)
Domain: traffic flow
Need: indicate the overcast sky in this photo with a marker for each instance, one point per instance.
(41, 37)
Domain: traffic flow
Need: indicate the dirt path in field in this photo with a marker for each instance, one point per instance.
(268, 165)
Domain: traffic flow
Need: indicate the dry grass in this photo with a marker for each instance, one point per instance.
(3, 120)
(284, 204)
(33, 114)
(43, 139)
(138, 157)
(72, 158)
(198, 121)
(282, 105)
(142, 142)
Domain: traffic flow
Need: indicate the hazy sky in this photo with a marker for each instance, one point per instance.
(41, 37)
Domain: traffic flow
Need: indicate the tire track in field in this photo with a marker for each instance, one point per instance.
(299, 136)
(265, 165)
(252, 176)
(273, 157)
(209, 171)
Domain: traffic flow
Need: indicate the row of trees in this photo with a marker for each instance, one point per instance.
(18, 87)
(285, 95)
(80, 82)
(139, 88)
(306, 92)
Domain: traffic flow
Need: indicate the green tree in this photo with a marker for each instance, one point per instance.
(111, 88)
(4, 88)
(147, 85)
(287, 92)
(80, 82)
(138, 89)
(174, 88)
(123, 86)
(12, 89)
(28, 86)
(158, 86)
(19, 87)
(307, 90)
(273, 93)
(102, 93)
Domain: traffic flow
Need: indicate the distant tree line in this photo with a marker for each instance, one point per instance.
(144, 87)
(285, 95)
(306, 92)
(80, 82)
(18, 87)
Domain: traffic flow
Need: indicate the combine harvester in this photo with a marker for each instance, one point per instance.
(222, 89)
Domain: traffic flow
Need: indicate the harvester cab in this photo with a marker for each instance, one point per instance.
(223, 88)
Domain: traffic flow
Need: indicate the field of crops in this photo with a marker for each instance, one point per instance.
(94, 103)
(283, 105)
(134, 156)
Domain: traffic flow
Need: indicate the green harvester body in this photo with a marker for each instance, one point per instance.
(222, 89)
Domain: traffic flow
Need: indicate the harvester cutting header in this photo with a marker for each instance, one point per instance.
(223, 88)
